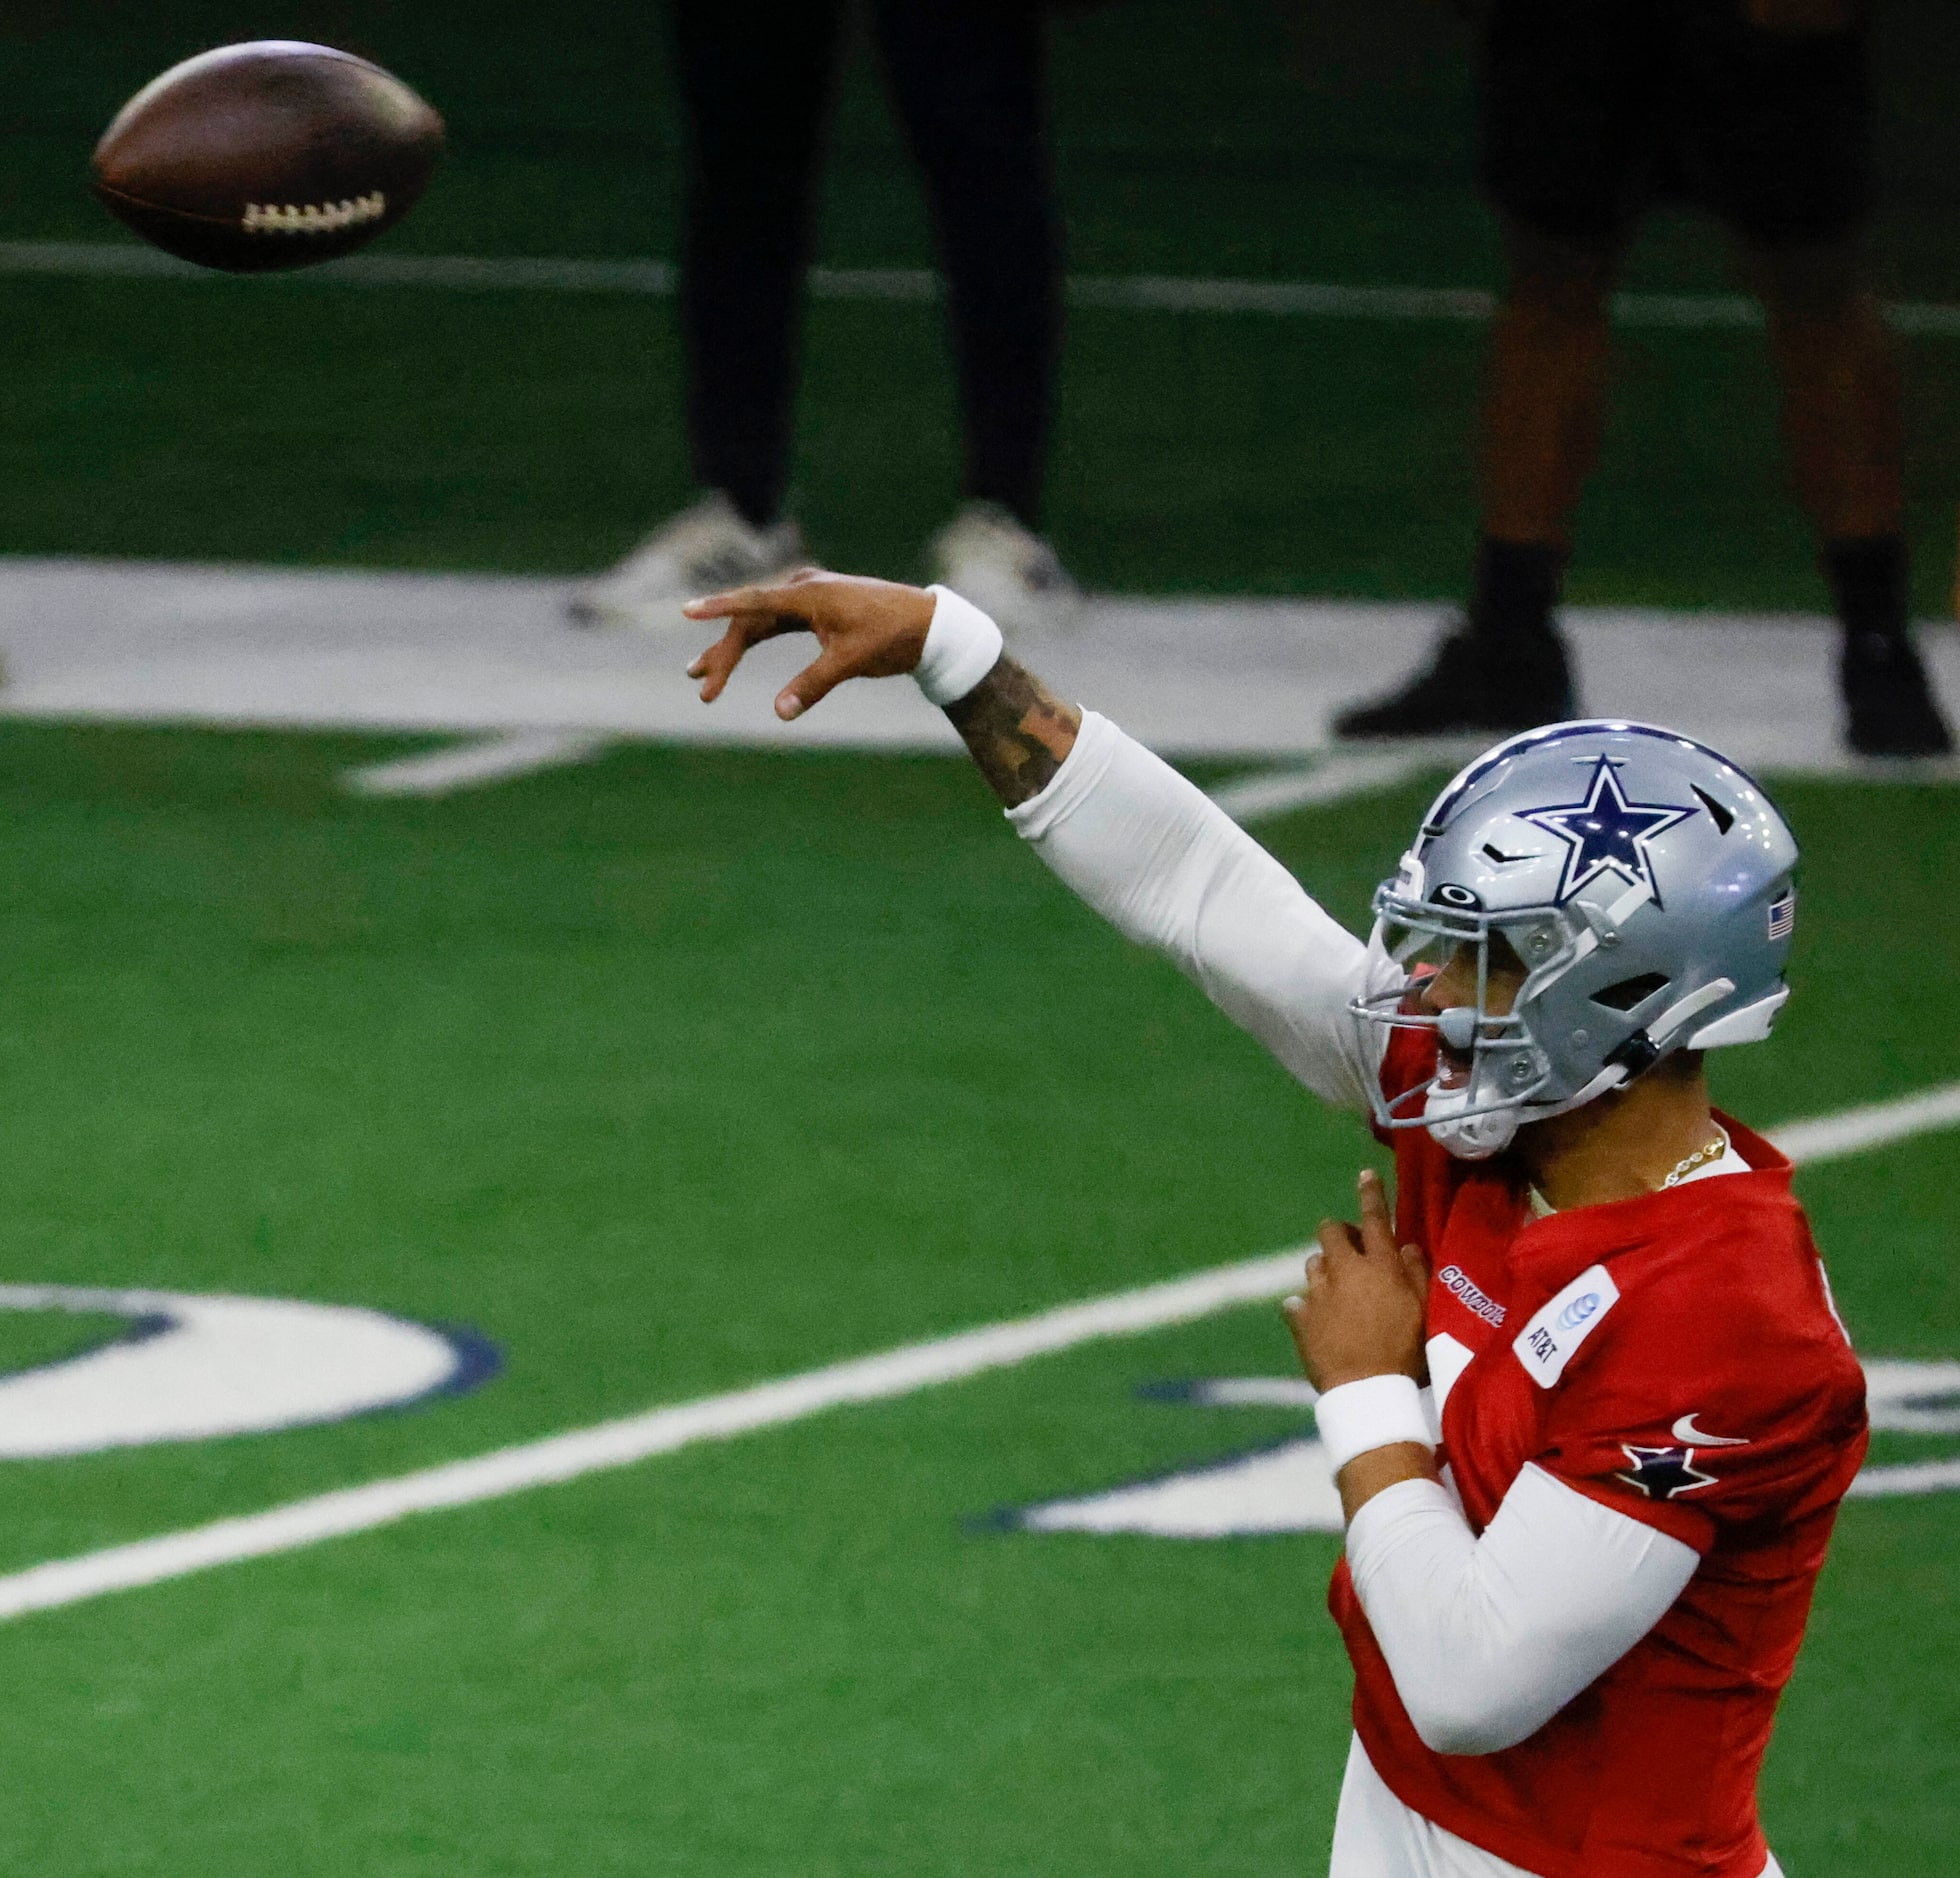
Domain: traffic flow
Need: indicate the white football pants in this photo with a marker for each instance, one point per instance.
(1376, 1836)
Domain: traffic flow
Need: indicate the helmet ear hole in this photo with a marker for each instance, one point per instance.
(1631, 991)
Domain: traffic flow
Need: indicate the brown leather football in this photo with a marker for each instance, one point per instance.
(269, 155)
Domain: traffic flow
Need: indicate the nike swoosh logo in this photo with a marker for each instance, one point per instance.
(1686, 1431)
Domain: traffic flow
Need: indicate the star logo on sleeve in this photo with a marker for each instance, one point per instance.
(1607, 832)
(1661, 1473)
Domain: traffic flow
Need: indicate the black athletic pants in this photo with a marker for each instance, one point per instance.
(966, 77)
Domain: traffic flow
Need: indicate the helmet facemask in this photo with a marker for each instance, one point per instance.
(1493, 1071)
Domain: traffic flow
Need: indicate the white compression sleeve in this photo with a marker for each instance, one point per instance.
(1488, 1638)
(1168, 868)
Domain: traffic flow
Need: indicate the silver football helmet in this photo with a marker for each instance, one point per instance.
(1644, 884)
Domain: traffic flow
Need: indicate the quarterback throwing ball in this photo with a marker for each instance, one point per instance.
(1591, 1406)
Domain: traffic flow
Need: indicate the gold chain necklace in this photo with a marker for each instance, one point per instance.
(1713, 1151)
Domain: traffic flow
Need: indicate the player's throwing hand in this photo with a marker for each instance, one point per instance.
(865, 629)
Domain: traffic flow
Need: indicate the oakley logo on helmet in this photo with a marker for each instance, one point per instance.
(1607, 832)
(1452, 895)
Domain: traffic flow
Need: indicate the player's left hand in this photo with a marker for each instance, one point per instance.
(1361, 1311)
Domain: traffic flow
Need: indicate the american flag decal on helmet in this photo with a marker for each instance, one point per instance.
(1783, 914)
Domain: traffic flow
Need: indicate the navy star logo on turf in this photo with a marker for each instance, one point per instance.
(1606, 831)
(1661, 1473)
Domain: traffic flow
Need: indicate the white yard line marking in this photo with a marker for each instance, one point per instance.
(1247, 799)
(637, 1437)
(1829, 1137)
(471, 765)
(1143, 293)
(892, 1373)
(1908, 1477)
(500, 273)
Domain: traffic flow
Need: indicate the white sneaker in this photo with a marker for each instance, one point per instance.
(703, 549)
(986, 556)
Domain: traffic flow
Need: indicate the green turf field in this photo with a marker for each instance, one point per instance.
(691, 1068)
(688, 1070)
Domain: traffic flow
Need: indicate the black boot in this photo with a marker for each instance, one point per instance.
(1889, 707)
(1473, 683)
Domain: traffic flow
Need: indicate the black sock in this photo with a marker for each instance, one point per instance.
(756, 499)
(1516, 586)
(1871, 583)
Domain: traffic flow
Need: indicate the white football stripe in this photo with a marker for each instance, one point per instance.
(1137, 293)
(743, 1411)
(1338, 778)
(496, 758)
(1910, 1478)
(1852, 1131)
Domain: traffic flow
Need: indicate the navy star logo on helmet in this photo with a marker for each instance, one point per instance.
(1607, 832)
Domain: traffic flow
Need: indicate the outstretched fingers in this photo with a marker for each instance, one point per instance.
(753, 615)
(790, 598)
(815, 681)
(716, 665)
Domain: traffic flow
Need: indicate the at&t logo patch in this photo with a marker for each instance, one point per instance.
(1546, 1344)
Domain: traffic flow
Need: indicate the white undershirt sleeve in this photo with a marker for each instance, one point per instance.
(1488, 1638)
(1159, 860)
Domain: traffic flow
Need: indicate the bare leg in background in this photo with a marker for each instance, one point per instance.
(1842, 427)
(1545, 405)
(1544, 409)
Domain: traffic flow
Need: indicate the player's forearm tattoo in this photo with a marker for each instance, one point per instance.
(1017, 729)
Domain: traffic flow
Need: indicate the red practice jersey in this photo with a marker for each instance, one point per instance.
(1677, 1358)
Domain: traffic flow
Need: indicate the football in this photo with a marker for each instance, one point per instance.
(274, 154)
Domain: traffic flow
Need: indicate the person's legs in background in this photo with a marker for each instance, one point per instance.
(1569, 91)
(1780, 145)
(1504, 667)
(756, 80)
(967, 81)
(1841, 426)
(1762, 114)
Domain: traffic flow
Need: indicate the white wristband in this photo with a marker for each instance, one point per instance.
(962, 646)
(1375, 1412)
